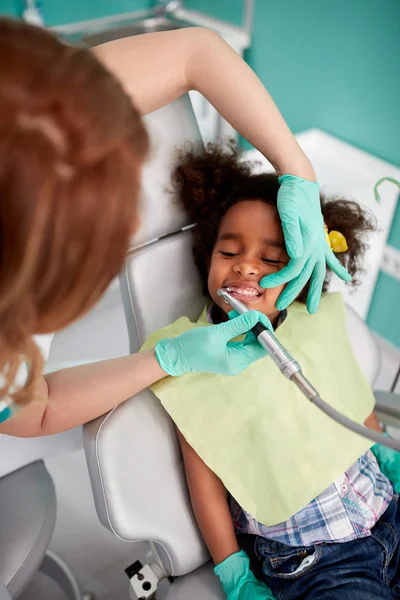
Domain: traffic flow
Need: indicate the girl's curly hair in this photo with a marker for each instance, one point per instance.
(209, 182)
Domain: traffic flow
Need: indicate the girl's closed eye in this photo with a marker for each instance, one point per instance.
(271, 261)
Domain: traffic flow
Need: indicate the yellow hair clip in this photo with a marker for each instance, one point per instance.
(336, 240)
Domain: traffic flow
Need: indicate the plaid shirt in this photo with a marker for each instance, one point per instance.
(346, 510)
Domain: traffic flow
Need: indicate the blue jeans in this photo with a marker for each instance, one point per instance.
(363, 569)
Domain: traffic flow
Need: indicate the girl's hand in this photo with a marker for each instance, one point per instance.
(238, 580)
(303, 227)
(209, 349)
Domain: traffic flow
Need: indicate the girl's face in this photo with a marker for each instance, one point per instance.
(250, 245)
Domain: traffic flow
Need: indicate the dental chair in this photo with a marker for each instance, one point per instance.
(132, 452)
(27, 519)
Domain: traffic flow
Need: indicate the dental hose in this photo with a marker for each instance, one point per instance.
(291, 369)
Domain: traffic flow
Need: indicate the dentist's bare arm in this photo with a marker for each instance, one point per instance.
(156, 68)
(74, 396)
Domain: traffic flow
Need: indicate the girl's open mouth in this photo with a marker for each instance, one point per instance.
(245, 293)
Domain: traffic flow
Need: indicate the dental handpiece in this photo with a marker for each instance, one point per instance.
(292, 370)
(285, 363)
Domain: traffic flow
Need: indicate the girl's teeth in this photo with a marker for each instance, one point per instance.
(243, 291)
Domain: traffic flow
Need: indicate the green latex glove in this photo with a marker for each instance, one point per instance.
(209, 349)
(238, 580)
(303, 227)
(389, 463)
(250, 337)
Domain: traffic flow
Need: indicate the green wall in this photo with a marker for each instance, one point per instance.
(333, 64)
(383, 315)
(59, 12)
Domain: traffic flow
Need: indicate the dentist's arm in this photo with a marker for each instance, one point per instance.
(156, 68)
(74, 396)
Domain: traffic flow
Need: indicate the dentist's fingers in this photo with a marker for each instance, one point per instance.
(336, 266)
(253, 350)
(315, 291)
(261, 318)
(250, 337)
(292, 233)
(238, 325)
(291, 271)
(293, 289)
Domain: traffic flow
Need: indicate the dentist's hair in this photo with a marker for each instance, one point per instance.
(71, 151)
(208, 182)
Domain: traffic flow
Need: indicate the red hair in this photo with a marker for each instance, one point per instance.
(71, 151)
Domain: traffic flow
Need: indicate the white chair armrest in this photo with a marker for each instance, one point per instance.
(138, 481)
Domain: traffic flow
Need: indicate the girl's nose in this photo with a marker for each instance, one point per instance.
(246, 267)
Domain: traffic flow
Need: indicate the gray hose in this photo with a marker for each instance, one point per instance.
(310, 392)
(291, 369)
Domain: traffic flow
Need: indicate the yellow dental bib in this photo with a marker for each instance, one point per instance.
(272, 448)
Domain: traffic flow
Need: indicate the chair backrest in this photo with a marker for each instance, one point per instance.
(133, 456)
(170, 128)
(158, 285)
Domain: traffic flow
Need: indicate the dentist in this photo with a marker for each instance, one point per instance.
(72, 145)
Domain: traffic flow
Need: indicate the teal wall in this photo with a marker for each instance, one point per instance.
(59, 12)
(333, 64)
(383, 315)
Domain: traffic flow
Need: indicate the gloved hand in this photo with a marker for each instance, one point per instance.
(303, 227)
(389, 463)
(238, 580)
(250, 337)
(209, 349)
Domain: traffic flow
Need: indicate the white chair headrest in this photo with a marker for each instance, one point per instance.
(170, 128)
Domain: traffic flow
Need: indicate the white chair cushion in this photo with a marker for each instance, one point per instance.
(133, 456)
(160, 284)
(138, 481)
(170, 128)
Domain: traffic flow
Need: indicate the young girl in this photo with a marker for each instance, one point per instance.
(307, 500)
